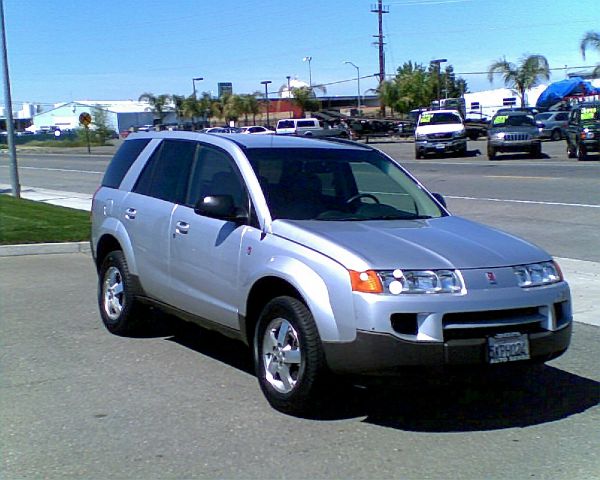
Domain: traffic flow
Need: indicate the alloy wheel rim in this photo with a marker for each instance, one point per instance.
(282, 359)
(113, 293)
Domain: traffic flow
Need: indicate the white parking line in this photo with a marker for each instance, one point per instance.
(57, 170)
(507, 200)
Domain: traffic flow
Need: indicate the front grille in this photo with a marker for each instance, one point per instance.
(465, 325)
(439, 136)
(516, 137)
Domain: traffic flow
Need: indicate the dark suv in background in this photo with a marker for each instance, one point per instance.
(583, 132)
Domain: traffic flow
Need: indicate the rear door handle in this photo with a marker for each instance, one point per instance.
(182, 228)
(130, 213)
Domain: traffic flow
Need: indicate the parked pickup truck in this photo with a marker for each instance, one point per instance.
(440, 131)
(308, 127)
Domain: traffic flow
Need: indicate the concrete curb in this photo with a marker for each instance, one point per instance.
(44, 249)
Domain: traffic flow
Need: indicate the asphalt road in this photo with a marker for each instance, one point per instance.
(77, 402)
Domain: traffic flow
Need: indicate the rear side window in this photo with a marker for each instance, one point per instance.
(285, 124)
(166, 174)
(306, 123)
(122, 161)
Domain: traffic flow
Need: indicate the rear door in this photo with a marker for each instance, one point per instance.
(146, 211)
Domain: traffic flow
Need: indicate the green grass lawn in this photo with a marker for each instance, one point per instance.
(24, 221)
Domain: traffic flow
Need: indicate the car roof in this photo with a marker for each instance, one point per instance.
(255, 141)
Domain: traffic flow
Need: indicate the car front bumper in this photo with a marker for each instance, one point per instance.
(441, 146)
(515, 146)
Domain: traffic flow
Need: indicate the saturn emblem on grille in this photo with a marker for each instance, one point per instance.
(491, 278)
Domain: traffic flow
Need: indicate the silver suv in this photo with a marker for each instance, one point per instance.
(325, 256)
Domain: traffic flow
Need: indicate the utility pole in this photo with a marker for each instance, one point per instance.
(380, 9)
(10, 129)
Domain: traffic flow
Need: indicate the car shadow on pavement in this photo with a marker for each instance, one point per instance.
(518, 156)
(454, 404)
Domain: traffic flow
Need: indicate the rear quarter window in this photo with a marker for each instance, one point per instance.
(122, 161)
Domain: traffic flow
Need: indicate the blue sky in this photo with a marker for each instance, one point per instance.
(116, 50)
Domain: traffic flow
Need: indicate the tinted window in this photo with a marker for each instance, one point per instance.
(562, 116)
(166, 174)
(306, 123)
(337, 184)
(122, 161)
(215, 174)
(285, 124)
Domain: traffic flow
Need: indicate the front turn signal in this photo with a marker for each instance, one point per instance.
(365, 282)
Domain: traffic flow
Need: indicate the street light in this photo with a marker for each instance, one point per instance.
(194, 80)
(289, 93)
(308, 59)
(438, 62)
(265, 83)
(358, 85)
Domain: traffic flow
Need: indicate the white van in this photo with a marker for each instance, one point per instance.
(297, 126)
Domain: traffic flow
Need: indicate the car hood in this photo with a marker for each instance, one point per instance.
(442, 127)
(447, 242)
(512, 129)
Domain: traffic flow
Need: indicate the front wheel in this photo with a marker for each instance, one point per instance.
(491, 152)
(571, 151)
(288, 356)
(581, 153)
(556, 135)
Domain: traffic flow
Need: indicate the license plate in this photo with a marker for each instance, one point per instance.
(508, 347)
(440, 146)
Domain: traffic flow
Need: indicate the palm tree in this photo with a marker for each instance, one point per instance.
(523, 76)
(250, 106)
(389, 94)
(158, 103)
(591, 39)
(178, 103)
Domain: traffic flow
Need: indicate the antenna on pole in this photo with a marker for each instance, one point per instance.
(380, 9)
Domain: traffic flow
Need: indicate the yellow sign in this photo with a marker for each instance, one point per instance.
(500, 119)
(426, 118)
(588, 113)
(85, 119)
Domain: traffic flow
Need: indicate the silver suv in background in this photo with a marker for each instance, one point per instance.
(513, 131)
(326, 257)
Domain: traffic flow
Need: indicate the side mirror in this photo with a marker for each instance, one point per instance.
(440, 198)
(220, 207)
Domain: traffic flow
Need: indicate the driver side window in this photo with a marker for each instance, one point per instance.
(215, 174)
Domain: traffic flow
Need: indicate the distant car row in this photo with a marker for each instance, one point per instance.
(512, 130)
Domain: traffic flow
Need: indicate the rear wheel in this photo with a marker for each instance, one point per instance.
(556, 135)
(288, 356)
(119, 308)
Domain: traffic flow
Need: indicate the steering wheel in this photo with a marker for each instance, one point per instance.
(363, 195)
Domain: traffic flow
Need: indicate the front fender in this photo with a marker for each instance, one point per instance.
(317, 294)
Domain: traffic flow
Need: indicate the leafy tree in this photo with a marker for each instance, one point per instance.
(522, 76)
(178, 103)
(305, 98)
(102, 131)
(591, 39)
(159, 103)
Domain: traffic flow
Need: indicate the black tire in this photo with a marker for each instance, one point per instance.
(295, 388)
(418, 154)
(581, 153)
(536, 151)
(556, 135)
(571, 151)
(119, 307)
(491, 153)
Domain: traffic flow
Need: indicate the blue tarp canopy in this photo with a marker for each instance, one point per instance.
(559, 90)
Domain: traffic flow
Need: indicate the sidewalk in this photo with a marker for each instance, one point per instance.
(583, 276)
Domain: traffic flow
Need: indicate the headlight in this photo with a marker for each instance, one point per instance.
(498, 136)
(421, 281)
(419, 137)
(587, 134)
(537, 274)
(459, 134)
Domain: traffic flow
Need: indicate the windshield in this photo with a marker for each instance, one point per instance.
(513, 121)
(542, 116)
(338, 184)
(429, 118)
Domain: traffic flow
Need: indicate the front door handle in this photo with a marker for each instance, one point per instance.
(130, 213)
(182, 228)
